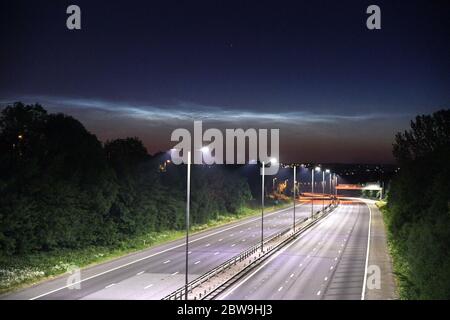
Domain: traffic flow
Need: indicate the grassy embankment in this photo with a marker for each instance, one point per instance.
(22, 270)
(399, 263)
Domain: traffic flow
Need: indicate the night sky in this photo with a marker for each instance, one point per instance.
(337, 91)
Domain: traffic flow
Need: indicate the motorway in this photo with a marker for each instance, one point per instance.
(326, 262)
(156, 272)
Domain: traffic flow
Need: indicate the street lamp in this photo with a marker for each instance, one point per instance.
(330, 181)
(312, 189)
(335, 185)
(323, 188)
(188, 200)
(295, 181)
(272, 161)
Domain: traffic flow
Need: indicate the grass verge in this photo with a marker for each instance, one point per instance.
(398, 262)
(22, 270)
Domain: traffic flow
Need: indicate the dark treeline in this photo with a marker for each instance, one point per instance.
(61, 187)
(419, 208)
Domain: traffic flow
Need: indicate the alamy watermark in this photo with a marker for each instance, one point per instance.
(74, 278)
(73, 21)
(208, 147)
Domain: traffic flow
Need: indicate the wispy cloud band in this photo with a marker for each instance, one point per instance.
(183, 111)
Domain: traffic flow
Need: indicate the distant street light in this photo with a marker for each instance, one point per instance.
(204, 149)
(331, 174)
(312, 189)
(323, 188)
(335, 185)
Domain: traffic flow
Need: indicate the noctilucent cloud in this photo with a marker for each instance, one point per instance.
(337, 91)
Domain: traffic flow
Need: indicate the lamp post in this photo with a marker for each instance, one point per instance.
(272, 161)
(330, 182)
(188, 198)
(312, 192)
(262, 206)
(312, 189)
(335, 185)
(188, 202)
(323, 188)
(295, 181)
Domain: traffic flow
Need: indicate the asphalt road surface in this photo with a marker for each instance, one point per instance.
(156, 272)
(326, 262)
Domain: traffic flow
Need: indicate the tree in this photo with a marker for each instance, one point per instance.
(419, 202)
(58, 191)
(61, 188)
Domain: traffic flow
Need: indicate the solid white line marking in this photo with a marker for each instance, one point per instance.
(167, 261)
(197, 262)
(267, 262)
(363, 294)
(149, 286)
(139, 273)
(156, 253)
(109, 286)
